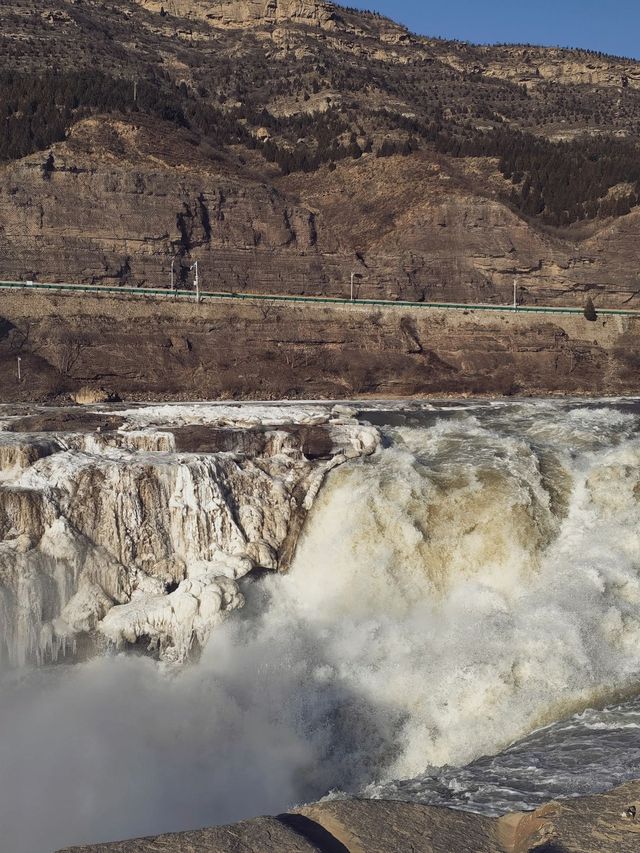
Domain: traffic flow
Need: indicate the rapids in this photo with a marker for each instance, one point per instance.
(460, 624)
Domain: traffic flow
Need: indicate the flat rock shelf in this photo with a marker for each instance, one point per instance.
(606, 822)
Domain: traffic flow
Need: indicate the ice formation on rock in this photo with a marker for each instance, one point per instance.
(115, 534)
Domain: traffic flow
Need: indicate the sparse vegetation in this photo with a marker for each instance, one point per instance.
(321, 106)
(589, 310)
(560, 182)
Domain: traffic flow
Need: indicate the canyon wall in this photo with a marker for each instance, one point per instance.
(122, 201)
(250, 135)
(163, 349)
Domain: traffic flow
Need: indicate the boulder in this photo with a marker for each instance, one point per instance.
(89, 396)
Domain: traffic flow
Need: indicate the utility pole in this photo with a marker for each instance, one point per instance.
(135, 91)
(196, 281)
(173, 260)
(515, 294)
(354, 276)
(19, 373)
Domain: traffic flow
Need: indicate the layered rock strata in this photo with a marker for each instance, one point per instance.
(264, 350)
(113, 212)
(128, 191)
(112, 534)
(246, 12)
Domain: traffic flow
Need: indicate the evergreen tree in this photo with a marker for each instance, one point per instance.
(589, 310)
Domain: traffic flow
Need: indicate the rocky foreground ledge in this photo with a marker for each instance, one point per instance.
(604, 823)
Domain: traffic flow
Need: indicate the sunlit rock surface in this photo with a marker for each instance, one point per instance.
(241, 12)
(112, 532)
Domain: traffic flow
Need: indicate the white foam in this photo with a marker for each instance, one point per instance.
(245, 414)
(472, 581)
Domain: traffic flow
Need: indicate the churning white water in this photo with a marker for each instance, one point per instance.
(475, 580)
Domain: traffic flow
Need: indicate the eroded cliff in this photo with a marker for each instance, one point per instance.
(113, 533)
(286, 144)
(113, 212)
(243, 12)
(163, 349)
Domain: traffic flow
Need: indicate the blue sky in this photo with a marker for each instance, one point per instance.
(612, 26)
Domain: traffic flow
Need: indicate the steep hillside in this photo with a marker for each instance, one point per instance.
(286, 143)
(170, 350)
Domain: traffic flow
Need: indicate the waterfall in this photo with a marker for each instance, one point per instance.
(468, 579)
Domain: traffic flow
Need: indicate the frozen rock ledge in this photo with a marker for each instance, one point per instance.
(135, 526)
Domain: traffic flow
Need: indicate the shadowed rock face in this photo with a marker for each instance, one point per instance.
(597, 824)
(167, 350)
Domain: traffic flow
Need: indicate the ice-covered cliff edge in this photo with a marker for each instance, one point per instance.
(136, 526)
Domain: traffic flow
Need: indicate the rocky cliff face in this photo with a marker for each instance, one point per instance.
(246, 12)
(110, 534)
(118, 207)
(170, 350)
(244, 135)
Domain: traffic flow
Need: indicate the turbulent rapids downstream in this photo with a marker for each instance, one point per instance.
(459, 622)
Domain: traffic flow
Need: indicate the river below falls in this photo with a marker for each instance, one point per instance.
(460, 625)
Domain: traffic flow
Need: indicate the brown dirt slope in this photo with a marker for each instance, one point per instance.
(143, 349)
